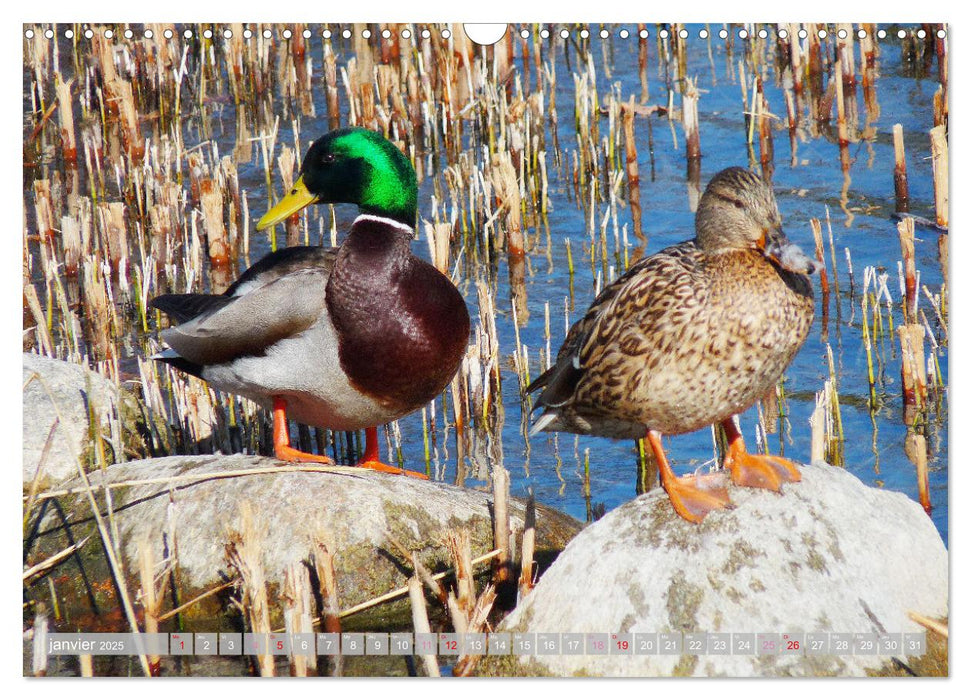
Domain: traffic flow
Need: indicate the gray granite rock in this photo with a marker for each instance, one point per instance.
(828, 555)
(55, 388)
(190, 512)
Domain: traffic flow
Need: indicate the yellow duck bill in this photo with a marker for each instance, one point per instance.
(296, 199)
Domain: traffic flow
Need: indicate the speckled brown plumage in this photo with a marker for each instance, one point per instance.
(691, 335)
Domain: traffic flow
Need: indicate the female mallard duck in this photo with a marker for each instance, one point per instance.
(342, 338)
(688, 337)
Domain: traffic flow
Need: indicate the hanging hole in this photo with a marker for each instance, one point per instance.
(485, 34)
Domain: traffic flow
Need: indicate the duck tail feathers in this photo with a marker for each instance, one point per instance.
(542, 423)
(171, 357)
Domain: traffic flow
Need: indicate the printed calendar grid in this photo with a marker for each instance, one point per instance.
(490, 644)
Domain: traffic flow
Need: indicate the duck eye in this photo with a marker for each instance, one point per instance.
(328, 158)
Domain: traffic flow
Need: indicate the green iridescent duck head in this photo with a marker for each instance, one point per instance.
(354, 166)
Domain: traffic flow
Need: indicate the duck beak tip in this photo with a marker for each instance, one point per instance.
(296, 199)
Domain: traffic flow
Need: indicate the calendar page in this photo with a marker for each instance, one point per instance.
(485, 350)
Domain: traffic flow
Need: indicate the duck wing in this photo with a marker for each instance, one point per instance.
(185, 307)
(559, 381)
(631, 305)
(280, 296)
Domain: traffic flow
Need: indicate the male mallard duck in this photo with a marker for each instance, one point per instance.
(342, 338)
(688, 337)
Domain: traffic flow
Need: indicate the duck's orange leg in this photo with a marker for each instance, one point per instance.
(693, 497)
(757, 471)
(282, 449)
(281, 438)
(372, 458)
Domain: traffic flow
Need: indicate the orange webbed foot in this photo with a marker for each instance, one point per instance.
(694, 496)
(281, 438)
(288, 454)
(372, 457)
(756, 471)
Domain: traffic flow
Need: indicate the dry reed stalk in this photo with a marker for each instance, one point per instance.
(770, 410)
(96, 310)
(303, 66)
(929, 623)
(130, 133)
(820, 257)
(793, 121)
(65, 115)
(916, 448)
(506, 185)
(940, 107)
(43, 212)
(327, 576)
(86, 665)
(228, 179)
(817, 423)
(821, 423)
(841, 128)
(941, 51)
(244, 552)
(642, 64)
(45, 342)
(197, 477)
(500, 493)
(111, 218)
(815, 60)
(832, 252)
(939, 154)
(427, 578)
(528, 549)
(866, 342)
(211, 201)
(287, 162)
(234, 56)
(459, 545)
(53, 560)
(942, 256)
(913, 368)
(689, 119)
(478, 622)
(439, 237)
(419, 617)
(398, 592)
(150, 597)
(845, 52)
(517, 287)
(937, 304)
(868, 63)
(296, 615)
(795, 58)
(71, 245)
(766, 150)
(458, 388)
(905, 229)
(330, 613)
(900, 171)
(633, 176)
(39, 642)
(202, 596)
